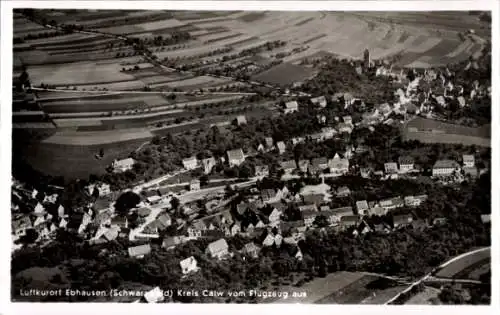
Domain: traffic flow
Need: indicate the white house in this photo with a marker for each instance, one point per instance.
(241, 120)
(218, 249)
(123, 165)
(190, 163)
(154, 296)
(320, 101)
(338, 166)
(391, 167)
(194, 185)
(235, 157)
(208, 165)
(274, 217)
(468, 160)
(189, 265)
(362, 207)
(291, 107)
(103, 189)
(444, 168)
(281, 147)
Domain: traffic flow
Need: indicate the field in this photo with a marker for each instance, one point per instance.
(467, 266)
(93, 67)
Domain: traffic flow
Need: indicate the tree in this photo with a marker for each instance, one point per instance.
(126, 201)
(321, 221)
(174, 203)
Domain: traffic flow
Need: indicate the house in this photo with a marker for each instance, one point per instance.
(402, 220)
(288, 166)
(208, 165)
(297, 140)
(275, 217)
(189, 265)
(338, 166)
(269, 143)
(348, 221)
(281, 147)
(362, 207)
(391, 168)
(20, 225)
(328, 133)
(120, 221)
(241, 120)
(164, 221)
(261, 170)
(382, 228)
(320, 163)
(471, 171)
(235, 157)
(268, 195)
(308, 207)
(343, 191)
(486, 218)
(338, 213)
(439, 221)
(291, 107)
(152, 196)
(269, 240)
(194, 185)
(414, 201)
(234, 229)
(190, 163)
(122, 165)
(444, 168)
(251, 250)
(303, 165)
(365, 172)
(468, 160)
(218, 249)
(139, 251)
(154, 296)
(347, 119)
(196, 229)
(319, 101)
(344, 128)
(309, 216)
(170, 242)
(391, 203)
(406, 164)
(103, 189)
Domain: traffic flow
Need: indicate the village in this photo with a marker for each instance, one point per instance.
(259, 217)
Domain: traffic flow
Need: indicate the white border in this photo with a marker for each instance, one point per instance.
(85, 308)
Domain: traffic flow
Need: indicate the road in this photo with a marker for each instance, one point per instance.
(429, 275)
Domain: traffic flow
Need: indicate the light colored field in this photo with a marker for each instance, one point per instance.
(156, 25)
(189, 52)
(423, 297)
(100, 137)
(77, 73)
(62, 40)
(200, 80)
(115, 86)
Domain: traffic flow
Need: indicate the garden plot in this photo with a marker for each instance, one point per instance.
(198, 81)
(132, 85)
(96, 43)
(70, 39)
(77, 73)
(189, 52)
(157, 79)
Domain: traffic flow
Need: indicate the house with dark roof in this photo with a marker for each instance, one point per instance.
(288, 166)
(338, 166)
(349, 221)
(321, 163)
(343, 191)
(406, 164)
(402, 220)
(169, 242)
(362, 207)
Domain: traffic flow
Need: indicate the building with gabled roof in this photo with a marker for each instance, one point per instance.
(139, 251)
(189, 265)
(444, 168)
(122, 165)
(251, 250)
(208, 164)
(218, 249)
(406, 163)
(291, 107)
(235, 157)
(468, 160)
(391, 168)
(319, 101)
(190, 163)
(241, 120)
(280, 145)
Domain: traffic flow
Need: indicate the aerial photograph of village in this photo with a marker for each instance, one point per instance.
(313, 157)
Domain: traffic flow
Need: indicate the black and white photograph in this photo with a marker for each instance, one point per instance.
(251, 156)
